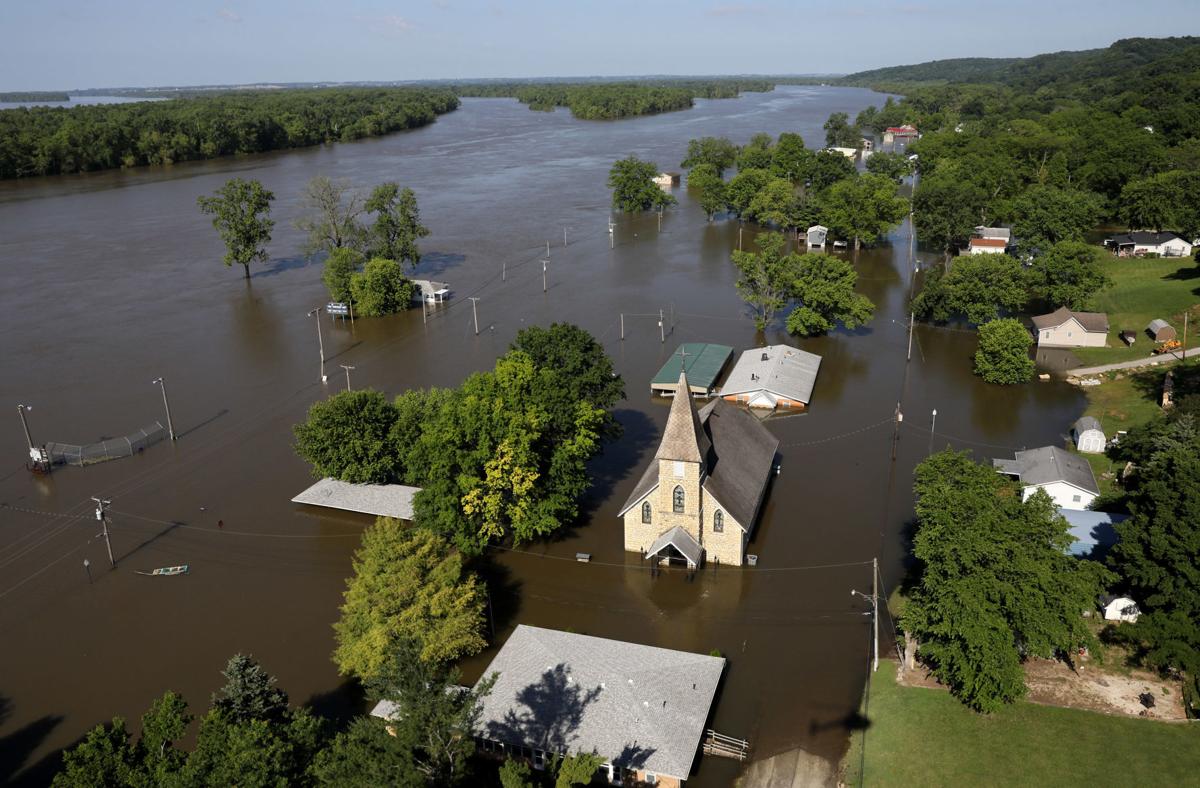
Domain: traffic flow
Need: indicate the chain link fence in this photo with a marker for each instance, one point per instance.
(111, 449)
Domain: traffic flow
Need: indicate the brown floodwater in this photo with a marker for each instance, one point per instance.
(113, 279)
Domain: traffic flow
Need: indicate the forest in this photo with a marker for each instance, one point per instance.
(33, 95)
(59, 140)
(611, 101)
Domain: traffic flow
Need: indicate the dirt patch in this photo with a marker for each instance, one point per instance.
(1053, 683)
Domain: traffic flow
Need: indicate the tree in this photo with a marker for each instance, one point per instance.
(790, 158)
(381, 288)
(340, 267)
(515, 774)
(824, 289)
(894, 166)
(249, 692)
(766, 277)
(1166, 201)
(632, 182)
(946, 212)
(104, 758)
(840, 134)
(348, 437)
(575, 369)
(163, 725)
(366, 755)
(865, 206)
(755, 154)
(1045, 215)
(577, 769)
(718, 152)
(978, 287)
(241, 212)
(706, 180)
(1068, 274)
(776, 203)
(397, 225)
(253, 751)
(332, 222)
(826, 168)
(1003, 354)
(744, 187)
(408, 585)
(995, 584)
(435, 718)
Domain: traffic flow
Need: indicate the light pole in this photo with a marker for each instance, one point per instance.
(320, 341)
(23, 409)
(474, 314)
(874, 600)
(347, 368)
(167, 405)
(932, 428)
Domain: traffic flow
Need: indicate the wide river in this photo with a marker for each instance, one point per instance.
(113, 279)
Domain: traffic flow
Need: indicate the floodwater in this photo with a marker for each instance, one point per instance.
(114, 279)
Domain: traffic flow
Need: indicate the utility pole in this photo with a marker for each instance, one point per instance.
(102, 516)
(932, 430)
(660, 210)
(23, 409)
(320, 341)
(475, 314)
(564, 236)
(504, 271)
(911, 316)
(163, 385)
(547, 248)
(424, 311)
(611, 235)
(545, 263)
(740, 228)
(87, 567)
(662, 330)
(896, 435)
(874, 600)
(1185, 322)
(347, 368)
(622, 326)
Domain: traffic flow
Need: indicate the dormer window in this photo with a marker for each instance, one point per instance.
(677, 500)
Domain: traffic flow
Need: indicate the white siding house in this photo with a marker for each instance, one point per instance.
(1138, 244)
(1065, 328)
(987, 246)
(1067, 478)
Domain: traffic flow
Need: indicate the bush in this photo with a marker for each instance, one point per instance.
(381, 288)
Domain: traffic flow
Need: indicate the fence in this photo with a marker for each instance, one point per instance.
(111, 449)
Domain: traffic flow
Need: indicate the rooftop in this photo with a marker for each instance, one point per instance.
(381, 500)
(998, 243)
(640, 707)
(1141, 238)
(702, 362)
(783, 370)
(683, 437)
(1091, 529)
(1050, 464)
(1091, 321)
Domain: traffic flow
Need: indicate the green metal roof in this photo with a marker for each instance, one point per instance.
(704, 364)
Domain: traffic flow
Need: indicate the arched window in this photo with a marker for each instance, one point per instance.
(718, 521)
(677, 500)
(646, 512)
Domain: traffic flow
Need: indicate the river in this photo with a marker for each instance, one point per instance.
(113, 279)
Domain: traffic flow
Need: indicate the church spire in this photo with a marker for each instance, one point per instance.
(684, 438)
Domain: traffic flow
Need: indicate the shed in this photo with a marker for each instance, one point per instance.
(701, 361)
(817, 235)
(1160, 330)
(1119, 608)
(1128, 336)
(1089, 437)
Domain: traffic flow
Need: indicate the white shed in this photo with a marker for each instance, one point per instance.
(817, 235)
(1119, 608)
(1089, 437)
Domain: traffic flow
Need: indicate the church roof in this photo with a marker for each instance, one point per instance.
(684, 438)
(682, 541)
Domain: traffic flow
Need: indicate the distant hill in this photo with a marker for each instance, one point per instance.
(1058, 70)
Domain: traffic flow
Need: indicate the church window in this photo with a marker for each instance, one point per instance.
(718, 522)
(646, 512)
(677, 500)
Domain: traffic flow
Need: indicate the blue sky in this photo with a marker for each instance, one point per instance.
(62, 44)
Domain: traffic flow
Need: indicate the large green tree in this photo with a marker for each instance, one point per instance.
(340, 267)
(1003, 354)
(777, 203)
(397, 226)
(863, 208)
(756, 154)
(839, 133)
(1044, 215)
(706, 180)
(348, 437)
(573, 368)
(632, 182)
(381, 288)
(790, 158)
(718, 152)
(1166, 201)
(994, 583)
(1068, 274)
(367, 755)
(826, 168)
(824, 291)
(946, 212)
(332, 218)
(408, 584)
(743, 188)
(249, 692)
(241, 211)
(766, 277)
(978, 287)
(894, 166)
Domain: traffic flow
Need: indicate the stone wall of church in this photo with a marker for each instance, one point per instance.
(726, 546)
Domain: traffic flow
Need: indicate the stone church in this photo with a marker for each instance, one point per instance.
(700, 496)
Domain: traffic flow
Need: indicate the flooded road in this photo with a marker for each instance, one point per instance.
(114, 279)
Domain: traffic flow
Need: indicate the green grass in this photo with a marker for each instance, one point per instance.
(1143, 290)
(1125, 402)
(925, 737)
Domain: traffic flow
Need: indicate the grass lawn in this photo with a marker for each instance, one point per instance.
(924, 737)
(1143, 290)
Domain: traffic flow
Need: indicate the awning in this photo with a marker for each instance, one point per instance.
(682, 541)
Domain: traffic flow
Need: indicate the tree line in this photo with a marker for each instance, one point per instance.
(612, 101)
(33, 95)
(62, 140)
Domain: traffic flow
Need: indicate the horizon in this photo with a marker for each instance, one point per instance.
(265, 42)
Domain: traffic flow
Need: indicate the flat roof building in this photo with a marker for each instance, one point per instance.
(381, 500)
(701, 361)
(776, 376)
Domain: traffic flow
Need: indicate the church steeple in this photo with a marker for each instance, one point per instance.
(684, 438)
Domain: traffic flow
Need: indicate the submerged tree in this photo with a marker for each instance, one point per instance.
(332, 221)
(241, 215)
(381, 288)
(863, 208)
(347, 437)
(397, 225)
(706, 180)
(717, 152)
(1003, 354)
(824, 288)
(249, 692)
(767, 277)
(340, 267)
(634, 189)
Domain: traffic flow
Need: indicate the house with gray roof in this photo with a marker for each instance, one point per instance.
(641, 708)
(1067, 328)
(1066, 477)
(776, 376)
(700, 495)
(1141, 242)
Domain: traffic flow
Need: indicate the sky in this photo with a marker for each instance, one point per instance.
(65, 44)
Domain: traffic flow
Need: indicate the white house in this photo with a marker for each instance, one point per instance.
(1141, 243)
(987, 246)
(1066, 328)
(1067, 478)
(994, 232)
(1089, 438)
(666, 179)
(816, 236)
(1119, 608)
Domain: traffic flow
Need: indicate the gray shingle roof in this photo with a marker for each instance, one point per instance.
(637, 706)
(683, 438)
(786, 371)
(387, 500)
(1142, 238)
(1050, 464)
(740, 463)
(682, 541)
(1091, 321)
(1087, 423)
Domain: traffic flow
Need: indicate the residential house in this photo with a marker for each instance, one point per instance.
(893, 133)
(1137, 244)
(1089, 438)
(667, 179)
(816, 236)
(987, 246)
(1002, 233)
(700, 495)
(1067, 478)
(1161, 331)
(776, 376)
(431, 291)
(643, 709)
(1119, 608)
(1067, 328)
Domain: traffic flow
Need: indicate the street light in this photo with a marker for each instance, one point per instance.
(874, 600)
(163, 384)
(932, 429)
(23, 409)
(320, 341)
(347, 368)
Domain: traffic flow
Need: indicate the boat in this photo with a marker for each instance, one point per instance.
(165, 571)
(839, 244)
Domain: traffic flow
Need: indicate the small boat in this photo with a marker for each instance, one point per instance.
(167, 570)
(839, 244)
